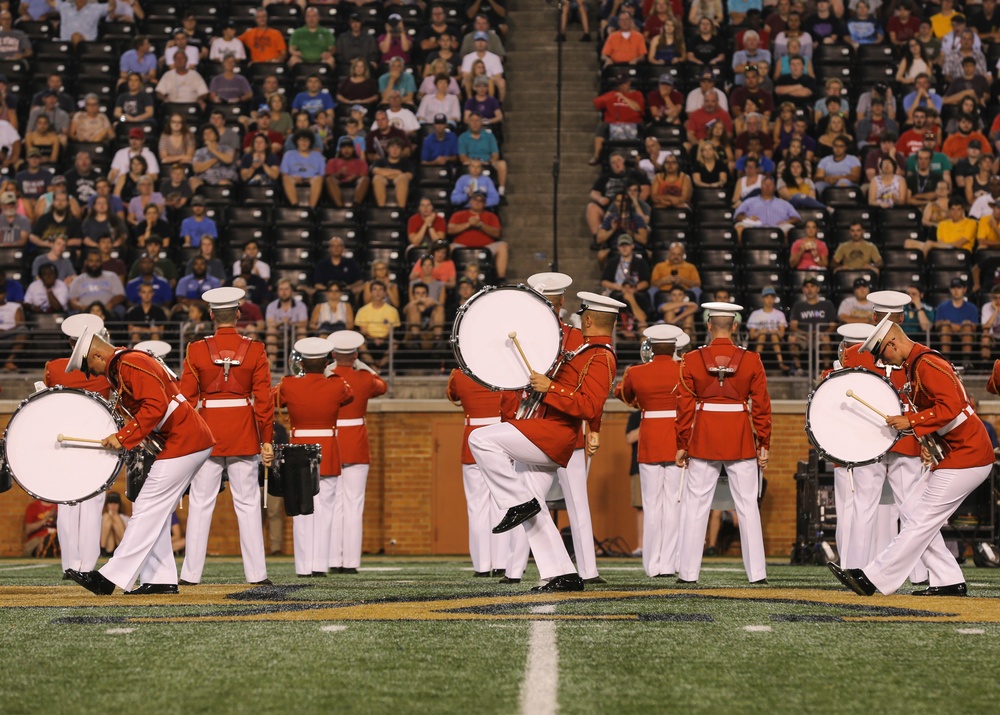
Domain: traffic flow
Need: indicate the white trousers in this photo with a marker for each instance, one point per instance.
(661, 513)
(573, 481)
(699, 486)
(925, 511)
(311, 532)
(348, 517)
(245, 490)
(517, 471)
(482, 513)
(861, 507)
(79, 528)
(149, 525)
(843, 499)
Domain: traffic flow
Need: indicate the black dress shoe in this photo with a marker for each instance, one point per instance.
(304, 575)
(482, 574)
(507, 579)
(182, 582)
(759, 582)
(680, 580)
(595, 579)
(925, 582)
(148, 589)
(664, 575)
(66, 577)
(498, 573)
(566, 582)
(93, 581)
(264, 582)
(854, 579)
(348, 571)
(956, 589)
(319, 574)
(517, 515)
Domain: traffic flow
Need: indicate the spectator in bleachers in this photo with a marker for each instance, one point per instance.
(957, 316)
(754, 129)
(378, 139)
(491, 62)
(857, 253)
(930, 42)
(401, 117)
(311, 43)
(445, 58)
(338, 268)
(181, 44)
(863, 28)
(274, 140)
(484, 104)
(750, 56)
(163, 267)
(810, 252)
(653, 156)
(824, 27)
(722, 140)
(358, 87)
(626, 45)
(197, 37)
(100, 221)
(13, 332)
(672, 188)
(227, 42)
(127, 184)
(333, 314)
(968, 83)
(176, 145)
(987, 236)
(206, 250)
(624, 217)
(748, 185)
(145, 320)
(229, 87)
(79, 20)
(214, 163)
(163, 293)
(425, 227)
(939, 162)
(470, 183)
(838, 169)
(678, 309)
(182, 84)
(302, 123)
(657, 13)
(872, 127)
(50, 108)
(481, 22)
(437, 25)
(755, 151)
(665, 103)
(709, 172)
(58, 222)
(767, 210)
(767, 326)
(251, 320)
(795, 186)
(751, 98)
(349, 170)
(955, 146)
(783, 65)
(264, 44)
(887, 188)
(695, 99)
(967, 106)
(379, 272)
(955, 232)
(286, 312)
(666, 45)
(440, 147)
(314, 98)
(913, 65)
(476, 227)
(356, 43)
(376, 320)
(886, 150)
(986, 22)
(8, 106)
(793, 30)
(479, 143)
(34, 10)
(707, 48)
(706, 9)
(192, 285)
(990, 324)
(45, 141)
(923, 99)
(622, 110)
(102, 187)
(856, 308)
(54, 82)
(395, 41)
(145, 195)
(32, 181)
(251, 262)
(96, 284)
(627, 267)
(954, 58)
(433, 69)
(927, 187)
(176, 190)
(140, 60)
(675, 272)
(394, 169)
(303, 167)
(14, 228)
(197, 225)
(917, 317)
(396, 79)
(796, 86)
(424, 314)
(812, 312)
(55, 256)
(609, 185)
(46, 294)
(134, 105)
(121, 164)
(700, 122)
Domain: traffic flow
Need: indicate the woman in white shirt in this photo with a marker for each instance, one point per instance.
(913, 64)
(441, 102)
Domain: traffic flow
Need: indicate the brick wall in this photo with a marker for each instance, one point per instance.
(408, 452)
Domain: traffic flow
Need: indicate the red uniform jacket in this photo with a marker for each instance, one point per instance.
(313, 403)
(239, 431)
(478, 403)
(725, 436)
(939, 397)
(853, 357)
(653, 388)
(148, 392)
(572, 339)
(577, 393)
(353, 439)
(55, 375)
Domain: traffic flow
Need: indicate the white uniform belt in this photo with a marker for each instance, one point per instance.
(357, 422)
(174, 403)
(722, 407)
(659, 414)
(234, 402)
(480, 421)
(959, 419)
(313, 433)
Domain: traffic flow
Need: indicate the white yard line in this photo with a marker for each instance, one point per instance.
(540, 687)
(757, 629)
(333, 629)
(971, 631)
(25, 568)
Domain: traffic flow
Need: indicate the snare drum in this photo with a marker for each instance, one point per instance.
(842, 429)
(295, 476)
(67, 472)
(480, 336)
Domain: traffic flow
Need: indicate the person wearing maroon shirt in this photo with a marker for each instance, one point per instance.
(700, 122)
(275, 139)
(476, 227)
(622, 109)
(346, 169)
(751, 94)
(665, 103)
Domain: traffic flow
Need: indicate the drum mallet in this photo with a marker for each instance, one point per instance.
(513, 336)
(850, 393)
(266, 470)
(63, 438)
(680, 491)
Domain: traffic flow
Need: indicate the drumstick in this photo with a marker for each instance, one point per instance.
(850, 393)
(513, 336)
(265, 485)
(64, 438)
(680, 491)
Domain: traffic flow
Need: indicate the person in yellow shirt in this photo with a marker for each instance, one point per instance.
(988, 235)
(941, 21)
(376, 320)
(958, 231)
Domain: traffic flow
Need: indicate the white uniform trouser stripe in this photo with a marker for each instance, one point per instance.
(478, 502)
(79, 527)
(923, 514)
(661, 516)
(150, 521)
(245, 492)
(699, 486)
(347, 525)
(529, 476)
(311, 532)
(573, 480)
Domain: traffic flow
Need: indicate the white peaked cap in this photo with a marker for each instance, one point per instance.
(159, 348)
(599, 303)
(662, 333)
(722, 310)
(888, 301)
(345, 341)
(855, 332)
(219, 298)
(74, 325)
(310, 348)
(550, 283)
(873, 343)
(81, 350)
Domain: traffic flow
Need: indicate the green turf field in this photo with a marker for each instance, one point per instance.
(420, 635)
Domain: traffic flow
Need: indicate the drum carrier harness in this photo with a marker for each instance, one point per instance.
(227, 359)
(724, 367)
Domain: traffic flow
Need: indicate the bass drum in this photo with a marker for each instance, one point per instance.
(6, 481)
(63, 472)
(483, 348)
(295, 476)
(844, 430)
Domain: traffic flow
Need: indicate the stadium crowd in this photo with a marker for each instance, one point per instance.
(340, 161)
(793, 156)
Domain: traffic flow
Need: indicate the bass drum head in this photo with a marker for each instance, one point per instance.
(842, 428)
(66, 472)
(481, 339)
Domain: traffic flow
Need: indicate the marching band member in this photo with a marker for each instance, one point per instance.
(942, 410)
(519, 457)
(352, 440)
(652, 388)
(313, 402)
(229, 377)
(153, 397)
(901, 467)
(482, 407)
(79, 525)
(573, 477)
(716, 382)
